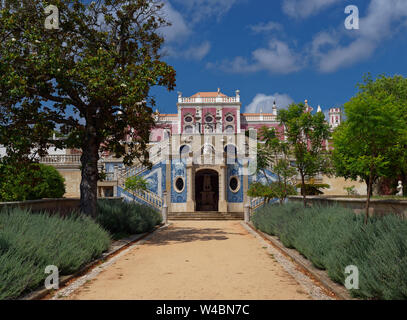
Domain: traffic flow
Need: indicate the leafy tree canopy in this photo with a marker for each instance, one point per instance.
(369, 143)
(90, 79)
(306, 136)
(274, 153)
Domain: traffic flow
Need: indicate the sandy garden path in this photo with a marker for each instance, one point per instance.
(196, 260)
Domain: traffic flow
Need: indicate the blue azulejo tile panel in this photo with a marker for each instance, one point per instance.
(109, 166)
(156, 178)
(234, 170)
(129, 197)
(178, 169)
(261, 177)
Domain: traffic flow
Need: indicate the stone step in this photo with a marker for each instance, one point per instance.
(205, 216)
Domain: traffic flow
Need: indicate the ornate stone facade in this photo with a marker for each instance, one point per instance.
(208, 153)
(203, 156)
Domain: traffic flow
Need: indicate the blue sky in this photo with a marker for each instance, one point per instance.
(288, 50)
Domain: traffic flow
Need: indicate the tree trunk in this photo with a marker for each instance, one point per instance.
(89, 182)
(304, 198)
(369, 190)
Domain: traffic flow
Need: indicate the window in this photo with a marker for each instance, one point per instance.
(184, 149)
(208, 119)
(189, 129)
(234, 184)
(229, 118)
(208, 129)
(231, 150)
(188, 119)
(229, 129)
(179, 184)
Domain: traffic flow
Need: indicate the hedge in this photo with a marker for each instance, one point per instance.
(31, 182)
(123, 218)
(334, 237)
(30, 242)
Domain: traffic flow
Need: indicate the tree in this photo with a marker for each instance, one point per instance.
(396, 89)
(367, 144)
(31, 182)
(90, 79)
(273, 153)
(306, 134)
(135, 184)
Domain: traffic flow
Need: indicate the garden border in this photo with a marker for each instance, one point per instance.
(319, 275)
(115, 247)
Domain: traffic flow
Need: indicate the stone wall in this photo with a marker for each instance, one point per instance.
(337, 184)
(72, 181)
(377, 206)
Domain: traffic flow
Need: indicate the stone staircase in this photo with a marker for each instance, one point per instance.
(144, 197)
(206, 215)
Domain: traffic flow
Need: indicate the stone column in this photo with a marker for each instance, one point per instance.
(190, 184)
(168, 174)
(164, 210)
(223, 204)
(246, 212)
(115, 172)
(245, 179)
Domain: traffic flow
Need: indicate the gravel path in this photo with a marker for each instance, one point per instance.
(196, 260)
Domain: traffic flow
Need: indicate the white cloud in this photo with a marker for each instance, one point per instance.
(266, 27)
(196, 53)
(198, 10)
(264, 103)
(306, 8)
(277, 58)
(178, 31)
(383, 20)
(199, 52)
(346, 56)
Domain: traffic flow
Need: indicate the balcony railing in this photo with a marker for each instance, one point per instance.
(110, 176)
(61, 159)
(209, 100)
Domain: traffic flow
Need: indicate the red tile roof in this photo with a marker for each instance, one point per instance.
(208, 95)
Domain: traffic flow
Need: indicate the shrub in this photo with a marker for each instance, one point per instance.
(31, 182)
(126, 218)
(334, 237)
(273, 190)
(30, 242)
(312, 189)
(136, 183)
(350, 191)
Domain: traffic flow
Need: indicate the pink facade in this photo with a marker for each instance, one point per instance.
(214, 112)
(210, 112)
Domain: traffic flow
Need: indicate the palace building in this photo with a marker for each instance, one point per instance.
(203, 157)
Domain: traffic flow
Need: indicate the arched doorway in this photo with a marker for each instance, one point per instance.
(207, 190)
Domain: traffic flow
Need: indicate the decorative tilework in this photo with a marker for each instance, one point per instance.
(156, 179)
(234, 170)
(178, 169)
